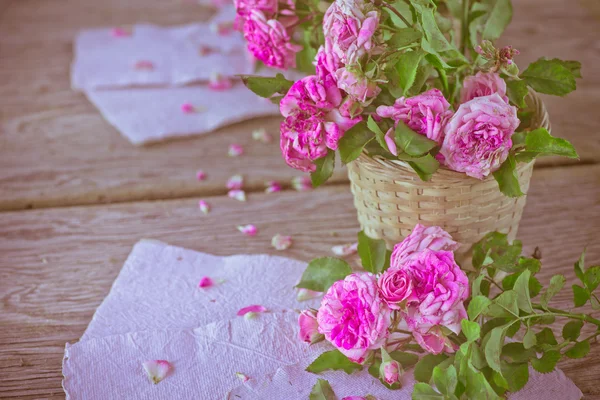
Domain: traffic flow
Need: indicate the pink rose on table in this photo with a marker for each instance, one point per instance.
(421, 238)
(478, 137)
(395, 286)
(350, 25)
(440, 288)
(357, 85)
(309, 328)
(269, 41)
(313, 123)
(426, 113)
(353, 317)
(483, 84)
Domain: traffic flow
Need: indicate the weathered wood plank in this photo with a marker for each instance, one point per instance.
(56, 265)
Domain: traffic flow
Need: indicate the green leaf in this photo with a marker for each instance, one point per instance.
(324, 169)
(494, 248)
(445, 380)
(550, 77)
(321, 273)
(580, 267)
(423, 73)
(372, 253)
(516, 352)
(471, 330)
(425, 166)
(407, 68)
(546, 336)
(573, 66)
(477, 305)
(540, 141)
(572, 330)
(425, 366)
(353, 142)
(373, 127)
(477, 386)
(500, 15)
(333, 360)
(405, 359)
(516, 375)
(493, 347)
(580, 296)
(556, 284)
(522, 288)
(529, 340)
(595, 303)
(422, 391)
(404, 37)
(516, 92)
(547, 363)
(504, 305)
(507, 178)
(534, 285)
(476, 286)
(592, 278)
(580, 350)
(322, 391)
(434, 35)
(267, 86)
(411, 142)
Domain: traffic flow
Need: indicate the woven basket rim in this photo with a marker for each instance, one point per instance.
(541, 120)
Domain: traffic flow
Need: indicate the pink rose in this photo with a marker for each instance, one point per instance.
(327, 62)
(269, 41)
(426, 113)
(440, 288)
(421, 238)
(244, 8)
(357, 85)
(395, 286)
(478, 137)
(309, 328)
(434, 341)
(313, 123)
(350, 25)
(483, 84)
(353, 317)
(390, 369)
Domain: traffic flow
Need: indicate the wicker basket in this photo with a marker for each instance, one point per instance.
(391, 199)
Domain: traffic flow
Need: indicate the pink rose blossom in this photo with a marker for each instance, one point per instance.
(269, 41)
(421, 238)
(395, 286)
(244, 8)
(483, 84)
(353, 317)
(327, 62)
(426, 113)
(309, 328)
(357, 85)
(439, 287)
(350, 26)
(312, 124)
(478, 137)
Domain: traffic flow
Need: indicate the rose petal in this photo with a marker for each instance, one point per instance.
(306, 294)
(235, 150)
(157, 370)
(121, 31)
(205, 282)
(238, 195)
(302, 183)
(273, 187)
(345, 249)
(200, 175)
(248, 230)
(253, 308)
(242, 377)
(204, 206)
(261, 135)
(219, 82)
(144, 65)
(222, 28)
(280, 242)
(188, 108)
(235, 182)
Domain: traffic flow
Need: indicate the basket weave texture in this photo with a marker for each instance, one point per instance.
(391, 199)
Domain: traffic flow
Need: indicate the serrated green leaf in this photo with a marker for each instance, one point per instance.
(405, 359)
(580, 296)
(322, 391)
(411, 142)
(434, 35)
(423, 74)
(477, 357)
(445, 380)
(580, 350)
(534, 284)
(505, 305)
(477, 386)
(516, 92)
(321, 273)
(513, 329)
(547, 363)
(425, 166)
(595, 303)
(517, 375)
(354, 141)
(404, 37)
(572, 330)
(500, 15)
(507, 178)
(580, 267)
(476, 286)
(540, 141)
(592, 278)
(471, 330)
(529, 340)
(373, 127)
(546, 336)
(573, 66)
(493, 347)
(325, 166)
(407, 68)
(333, 360)
(516, 352)
(424, 368)
(477, 306)
(556, 284)
(267, 86)
(522, 288)
(372, 253)
(422, 391)
(550, 77)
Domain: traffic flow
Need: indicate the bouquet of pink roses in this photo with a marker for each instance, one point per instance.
(417, 299)
(412, 80)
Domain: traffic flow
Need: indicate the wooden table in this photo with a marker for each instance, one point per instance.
(59, 157)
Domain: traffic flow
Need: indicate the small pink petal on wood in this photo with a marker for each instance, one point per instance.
(306, 294)
(251, 309)
(121, 31)
(144, 65)
(280, 242)
(205, 282)
(242, 377)
(248, 230)
(302, 183)
(235, 182)
(236, 194)
(235, 150)
(345, 249)
(219, 82)
(157, 370)
(200, 175)
(273, 186)
(261, 135)
(204, 207)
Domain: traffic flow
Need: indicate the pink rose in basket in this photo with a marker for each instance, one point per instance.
(360, 87)
(426, 113)
(421, 238)
(327, 62)
(353, 317)
(478, 137)
(269, 41)
(313, 123)
(350, 25)
(483, 84)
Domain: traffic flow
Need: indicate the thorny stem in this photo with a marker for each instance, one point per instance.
(465, 26)
(561, 313)
(392, 9)
(487, 278)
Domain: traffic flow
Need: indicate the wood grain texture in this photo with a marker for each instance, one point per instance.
(56, 265)
(56, 149)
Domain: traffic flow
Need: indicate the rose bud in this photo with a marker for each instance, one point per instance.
(309, 328)
(390, 369)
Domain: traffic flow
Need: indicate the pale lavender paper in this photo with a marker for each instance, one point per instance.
(154, 114)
